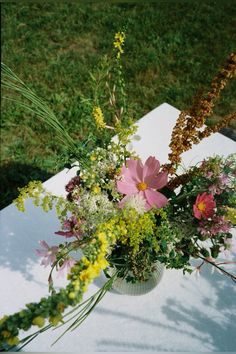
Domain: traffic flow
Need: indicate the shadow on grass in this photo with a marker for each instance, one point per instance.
(15, 175)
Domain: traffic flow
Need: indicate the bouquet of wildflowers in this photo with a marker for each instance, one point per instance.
(120, 213)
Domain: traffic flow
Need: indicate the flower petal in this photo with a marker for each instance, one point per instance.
(44, 244)
(155, 198)
(135, 169)
(126, 188)
(127, 176)
(151, 167)
(157, 182)
(121, 204)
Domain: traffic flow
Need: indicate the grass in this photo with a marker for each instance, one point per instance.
(172, 51)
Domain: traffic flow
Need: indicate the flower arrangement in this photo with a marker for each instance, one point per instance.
(121, 213)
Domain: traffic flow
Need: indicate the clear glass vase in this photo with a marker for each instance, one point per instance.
(122, 286)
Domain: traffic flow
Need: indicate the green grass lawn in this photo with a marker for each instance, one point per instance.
(173, 49)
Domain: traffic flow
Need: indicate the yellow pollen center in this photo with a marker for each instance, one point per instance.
(201, 206)
(142, 186)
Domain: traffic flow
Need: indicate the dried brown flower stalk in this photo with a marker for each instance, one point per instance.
(223, 123)
(186, 131)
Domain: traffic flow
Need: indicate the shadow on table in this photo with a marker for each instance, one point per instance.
(14, 175)
(19, 236)
(219, 320)
(211, 322)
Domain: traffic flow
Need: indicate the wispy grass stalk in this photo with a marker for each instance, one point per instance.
(36, 105)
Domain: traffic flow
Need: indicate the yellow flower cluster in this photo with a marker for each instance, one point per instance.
(231, 215)
(119, 43)
(90, 269)
(32, 190)
(10, 340)
(98, 117)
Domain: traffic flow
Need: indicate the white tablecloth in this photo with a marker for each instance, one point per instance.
(183, 313)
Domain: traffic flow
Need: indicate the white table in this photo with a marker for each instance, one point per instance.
(182, 314)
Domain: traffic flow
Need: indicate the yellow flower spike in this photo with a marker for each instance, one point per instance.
(72, 295)
(119, 43)
(101, 236)
(93, 157)
(85, 261)
(60, 307)
(103, 263)
(84, 288)
(5, 334)
(98, 117)
(3, 319)
(231, 215)
(54, 320)
(103, 248)
(13, 341)
(38, 321)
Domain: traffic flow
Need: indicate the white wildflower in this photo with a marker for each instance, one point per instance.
(98, 203)
(136, 202)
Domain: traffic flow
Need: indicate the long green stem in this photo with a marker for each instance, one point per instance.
(85, 308)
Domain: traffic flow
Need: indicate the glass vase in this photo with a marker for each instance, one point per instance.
(122, 286)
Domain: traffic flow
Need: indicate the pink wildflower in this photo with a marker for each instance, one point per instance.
(143, 180)
(71, 227)
(217, 225)
(204, 206)
(66, 265)
(214, 189)
(48, 253)
(224, 179)
(229, 247)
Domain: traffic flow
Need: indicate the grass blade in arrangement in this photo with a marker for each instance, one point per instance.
(10, 81)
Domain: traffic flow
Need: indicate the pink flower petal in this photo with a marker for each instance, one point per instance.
(126, 188)
(136, 169)
(121, 204)
(41, 253)
(151, 167)
(44, 244)
(65, 233)
(157, 182)
(197, 213)
(127, 176)
(155, 198)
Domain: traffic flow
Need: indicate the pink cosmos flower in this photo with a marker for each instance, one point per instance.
(67, 265)
(48, 253)
(143, 180)
(204, 206)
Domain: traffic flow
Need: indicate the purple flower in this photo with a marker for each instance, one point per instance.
(223, 179)
(72, 227)
(72, 184)
(48, 253)
(215, 226)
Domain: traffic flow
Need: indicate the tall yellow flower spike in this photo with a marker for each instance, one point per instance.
(98, 117)
(119, 43)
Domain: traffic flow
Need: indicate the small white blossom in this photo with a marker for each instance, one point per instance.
(96, 203)
(136, 202)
